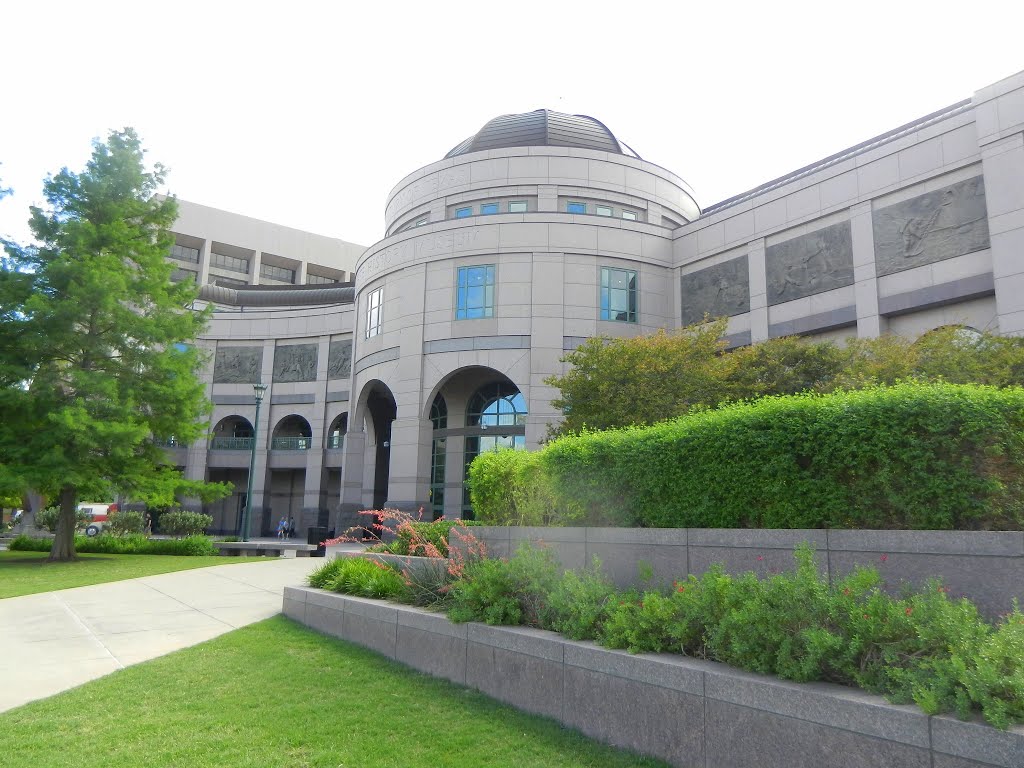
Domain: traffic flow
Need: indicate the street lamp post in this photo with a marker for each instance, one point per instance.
(258, 390)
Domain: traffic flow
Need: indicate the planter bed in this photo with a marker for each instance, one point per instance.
(686, 711)
(985, 566)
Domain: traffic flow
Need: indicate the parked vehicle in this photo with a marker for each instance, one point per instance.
(96, 513)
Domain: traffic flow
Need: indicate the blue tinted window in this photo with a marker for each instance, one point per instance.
(487, 208)
(475, 293)
(576, 207)
(461, 213)
(618, 294)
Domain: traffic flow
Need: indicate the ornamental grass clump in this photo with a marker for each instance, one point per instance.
(359, 576)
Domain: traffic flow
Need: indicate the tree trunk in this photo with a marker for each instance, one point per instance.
(64, 541)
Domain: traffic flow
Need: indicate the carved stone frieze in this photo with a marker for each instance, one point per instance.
(238, 365)
(818, 261)
(339, 360)
(718, 291)
(931, 227)
(295, 362)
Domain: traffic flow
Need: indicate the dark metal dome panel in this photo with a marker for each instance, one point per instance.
(542, 128)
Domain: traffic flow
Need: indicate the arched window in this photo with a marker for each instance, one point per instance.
(496, 405)
(292, 433)
(233, 433)
(336, 434)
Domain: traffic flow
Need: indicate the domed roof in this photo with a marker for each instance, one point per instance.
(543, 128)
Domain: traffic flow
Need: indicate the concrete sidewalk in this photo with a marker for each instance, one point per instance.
(53, 641)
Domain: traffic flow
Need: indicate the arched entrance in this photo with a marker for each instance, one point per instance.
(381, 411)
(473, 410)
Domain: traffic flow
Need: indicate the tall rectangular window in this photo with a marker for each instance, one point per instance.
(574, 207)
(618, 294)
(475, 297)
(373, 308)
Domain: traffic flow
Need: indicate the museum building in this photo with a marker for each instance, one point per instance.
(544, 229)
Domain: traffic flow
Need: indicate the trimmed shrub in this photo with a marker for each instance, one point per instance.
(131, 544)
(125, 521)
(508, 488)
(47, 519)
(912, 456)
(182, 523)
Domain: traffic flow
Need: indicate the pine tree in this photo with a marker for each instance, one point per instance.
(96, 357)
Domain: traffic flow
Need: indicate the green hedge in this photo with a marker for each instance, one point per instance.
(132, 544)
(912, 456)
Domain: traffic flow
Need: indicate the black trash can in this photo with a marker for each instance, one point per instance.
(316, 535)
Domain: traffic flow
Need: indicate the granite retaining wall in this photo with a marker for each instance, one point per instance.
(985, 566)
(688, 712)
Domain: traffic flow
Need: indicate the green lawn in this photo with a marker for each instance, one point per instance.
(25, 573)
(278, 694)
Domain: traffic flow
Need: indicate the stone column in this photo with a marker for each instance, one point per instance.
(254, 267)
(547, 328)
(869, 324)
(758, 291)
(547, 197)
(999, 115)
(204, 264)
(313, 497)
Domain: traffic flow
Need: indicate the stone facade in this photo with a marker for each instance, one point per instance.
(497, 261)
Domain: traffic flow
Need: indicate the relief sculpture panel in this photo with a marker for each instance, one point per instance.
(339, 360)
(718, 291)
(938, 225)
(238, 365)
(812, 263)
(295, 362)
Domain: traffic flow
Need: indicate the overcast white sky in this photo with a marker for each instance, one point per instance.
(308, 113)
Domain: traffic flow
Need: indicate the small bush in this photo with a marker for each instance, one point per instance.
(182, 523)
(579, 604)
(506, 592)
(47, 519)
(124, 522)
(24, 543)
(508, 487)
(130, 544)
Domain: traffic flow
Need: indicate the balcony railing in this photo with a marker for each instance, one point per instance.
(291, 443)
(336, 441)
(169, 442)
(231, 444)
